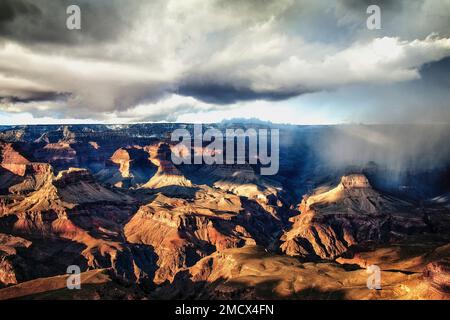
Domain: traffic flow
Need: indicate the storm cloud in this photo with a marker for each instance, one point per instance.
(136, 60)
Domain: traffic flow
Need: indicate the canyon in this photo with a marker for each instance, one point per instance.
(110, 200)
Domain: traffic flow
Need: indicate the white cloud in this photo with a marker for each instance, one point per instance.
(297, 68)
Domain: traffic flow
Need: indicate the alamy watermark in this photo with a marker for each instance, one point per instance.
(73, 21)
(236, 146)
(374, 20)
(374, 280)
(74, 280)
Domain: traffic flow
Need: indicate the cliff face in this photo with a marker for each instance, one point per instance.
(167, 174)
(73, 207)
(123, 159)
(59, 155)
(351, 213)
(78, 186)
(20, 176)
(438, 275)
(134, 168)
(12, 160)
(181, 231)
(10, 262)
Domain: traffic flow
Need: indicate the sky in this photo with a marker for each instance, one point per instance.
(285, 61)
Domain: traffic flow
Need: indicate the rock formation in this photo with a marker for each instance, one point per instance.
(167, 175)
(9, 261)
(352, 213)
(59, 155)
(36, 176)
(182, 231)
(12, 160)
(135, 168)
(73, 206)
(438, 275)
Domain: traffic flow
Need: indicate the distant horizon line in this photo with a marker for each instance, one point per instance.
(243, 121)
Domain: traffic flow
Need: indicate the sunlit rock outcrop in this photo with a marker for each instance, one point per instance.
(352, 213)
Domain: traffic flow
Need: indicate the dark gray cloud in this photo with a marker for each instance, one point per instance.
(36, 97)
(227, 94)
(43, 21)
(10, 10)
(436, 74)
